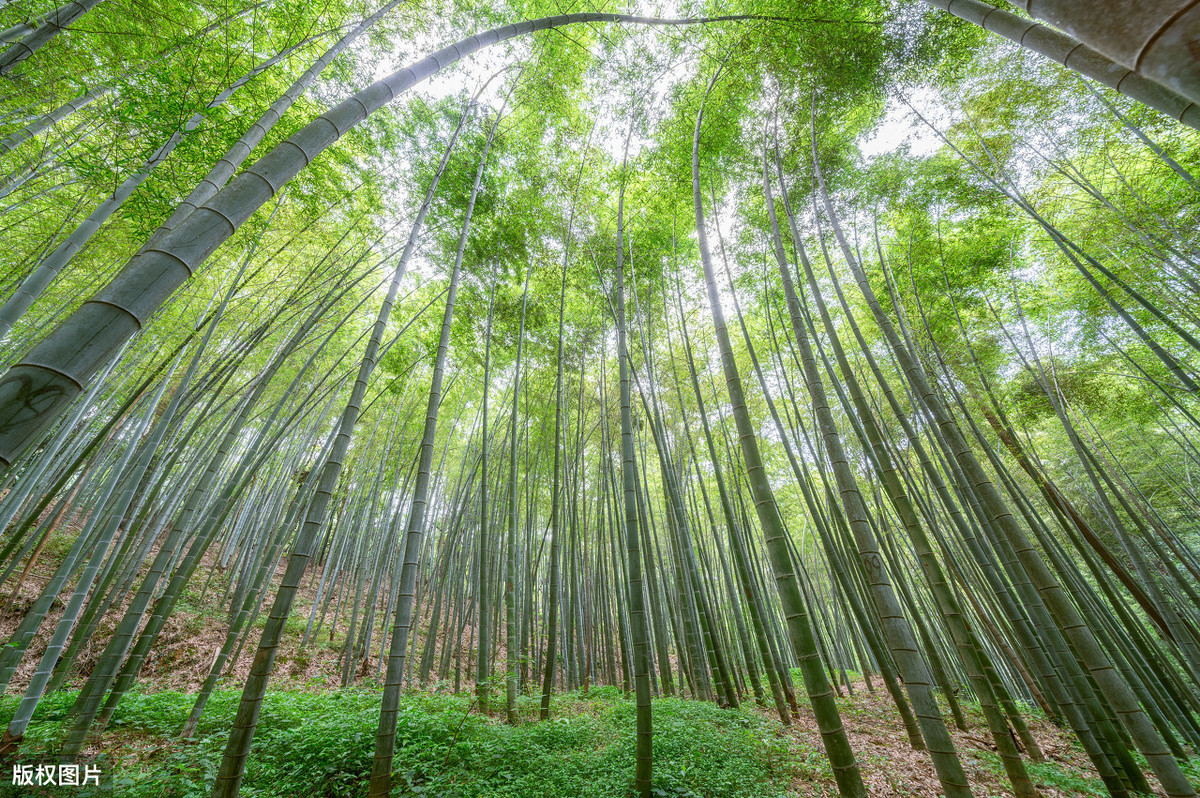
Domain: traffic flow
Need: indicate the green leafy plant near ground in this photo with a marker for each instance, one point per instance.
(314, 744)
(1051, 774)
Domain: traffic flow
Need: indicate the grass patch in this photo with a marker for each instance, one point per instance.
(319, 745)
(1049, 774)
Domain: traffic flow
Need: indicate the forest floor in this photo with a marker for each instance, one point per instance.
(320, 744)
(890, 767)
(316, 740)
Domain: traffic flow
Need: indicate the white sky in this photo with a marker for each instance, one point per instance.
(901, 127)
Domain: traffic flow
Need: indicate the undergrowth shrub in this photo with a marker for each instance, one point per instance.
(320, 745)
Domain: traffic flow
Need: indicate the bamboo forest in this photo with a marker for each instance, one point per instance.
(682, 400)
